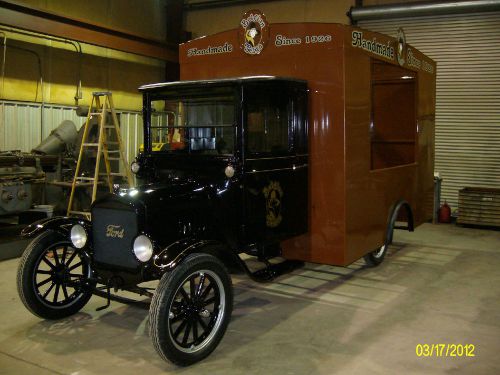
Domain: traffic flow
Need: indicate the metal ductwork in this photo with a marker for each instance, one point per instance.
(65, 134)
(419, 9)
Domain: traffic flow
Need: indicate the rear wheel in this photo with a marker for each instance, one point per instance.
(52, 278)
(191, 309)
(376, 257)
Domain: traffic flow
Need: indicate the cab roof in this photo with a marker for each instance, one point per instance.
(217, 82)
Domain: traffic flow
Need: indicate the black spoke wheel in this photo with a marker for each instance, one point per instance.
(52, 278)
(191, 309)
(376, 257)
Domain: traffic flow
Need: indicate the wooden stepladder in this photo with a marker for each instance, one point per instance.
(108, 135)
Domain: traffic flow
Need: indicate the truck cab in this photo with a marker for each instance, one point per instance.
(238, 147)
(223, 171)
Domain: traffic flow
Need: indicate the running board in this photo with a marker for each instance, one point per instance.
(105, 292)
(125, 300)
(271, 270)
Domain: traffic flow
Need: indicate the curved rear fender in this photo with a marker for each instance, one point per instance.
(175, 253)
(59, 224)
(393, 216)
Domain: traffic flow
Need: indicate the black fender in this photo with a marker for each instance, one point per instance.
(61, 224)
(170, 257)
(391, 223)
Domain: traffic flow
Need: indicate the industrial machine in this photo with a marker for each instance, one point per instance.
(19, 175)
(23, 176)
(43, 177)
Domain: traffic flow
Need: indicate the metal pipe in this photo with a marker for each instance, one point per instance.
(39, 60)
(4, 61)
(419, 9)
(76, 45)
(40, 72)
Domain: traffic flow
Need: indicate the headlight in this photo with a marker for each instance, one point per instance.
(229, 171)
(134, 167)
(143, 248)
(78, 236)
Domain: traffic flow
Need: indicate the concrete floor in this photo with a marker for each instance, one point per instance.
(439, 285)
(11, 244)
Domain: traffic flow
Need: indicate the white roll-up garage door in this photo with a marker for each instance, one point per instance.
(467, 51)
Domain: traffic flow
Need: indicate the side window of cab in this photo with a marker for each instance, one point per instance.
(268, 131)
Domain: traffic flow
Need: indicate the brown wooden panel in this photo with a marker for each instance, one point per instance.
(393, 109)
(393, 126)
(349, 203)
(386, 155)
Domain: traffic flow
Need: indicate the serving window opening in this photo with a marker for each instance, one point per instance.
(393, 125)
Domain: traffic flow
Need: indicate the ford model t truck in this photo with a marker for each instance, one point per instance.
(324, 137)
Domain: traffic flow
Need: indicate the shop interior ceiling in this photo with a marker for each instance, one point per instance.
(58, 25)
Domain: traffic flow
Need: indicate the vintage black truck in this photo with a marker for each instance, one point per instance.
(199, 203)
(316, 167)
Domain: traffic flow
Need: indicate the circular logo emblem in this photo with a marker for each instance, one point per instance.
(401, 46)
(254, 32)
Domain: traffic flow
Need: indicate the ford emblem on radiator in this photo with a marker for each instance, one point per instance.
(114, 231)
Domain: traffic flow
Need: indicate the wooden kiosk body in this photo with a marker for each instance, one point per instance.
(371, 118)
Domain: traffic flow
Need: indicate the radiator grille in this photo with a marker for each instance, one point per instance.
(114, 231)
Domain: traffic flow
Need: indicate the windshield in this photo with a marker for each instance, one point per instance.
(193, 125)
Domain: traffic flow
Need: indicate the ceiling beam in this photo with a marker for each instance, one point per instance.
(37, 20)
(209, 4)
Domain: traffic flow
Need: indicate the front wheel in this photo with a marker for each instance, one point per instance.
(191, 309)
(52, 278)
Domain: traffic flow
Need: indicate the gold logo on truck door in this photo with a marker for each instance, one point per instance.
(273, 194)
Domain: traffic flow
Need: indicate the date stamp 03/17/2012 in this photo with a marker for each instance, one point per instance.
(445, 350)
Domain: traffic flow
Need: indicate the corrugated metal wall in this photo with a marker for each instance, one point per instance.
(131, 131)
(467, 50)
(20, 123)
(21, 129)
